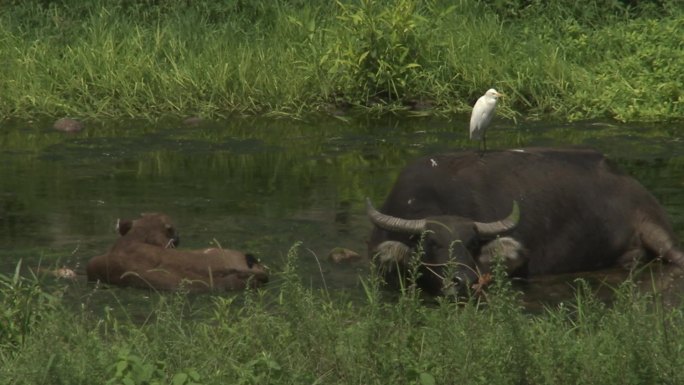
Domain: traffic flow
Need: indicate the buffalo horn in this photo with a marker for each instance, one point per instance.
(390, 223)
(492, 229)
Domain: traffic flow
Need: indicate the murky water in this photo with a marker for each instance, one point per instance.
(260, 185)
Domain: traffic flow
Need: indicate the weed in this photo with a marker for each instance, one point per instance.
(131, 369)
(104, 60)
(23, 304)
(291, 334)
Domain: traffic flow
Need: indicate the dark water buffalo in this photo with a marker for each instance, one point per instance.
(145, 256)
(574, 212)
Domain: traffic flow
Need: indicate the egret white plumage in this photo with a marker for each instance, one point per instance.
(482, 115)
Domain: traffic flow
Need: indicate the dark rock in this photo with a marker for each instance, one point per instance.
(68, 125)
(342, 255)
(193, 121)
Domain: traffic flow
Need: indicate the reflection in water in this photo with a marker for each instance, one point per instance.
(656, 277)
(262, 185)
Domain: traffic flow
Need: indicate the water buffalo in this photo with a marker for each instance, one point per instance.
(544, 210)
(145, 256)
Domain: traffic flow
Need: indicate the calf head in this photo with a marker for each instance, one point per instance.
(151, 228)
(452, 247)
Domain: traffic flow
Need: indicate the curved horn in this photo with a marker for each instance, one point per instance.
(492, 229)
(390, 223)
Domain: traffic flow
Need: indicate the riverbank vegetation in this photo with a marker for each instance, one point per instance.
(292, 334)
(106, 60)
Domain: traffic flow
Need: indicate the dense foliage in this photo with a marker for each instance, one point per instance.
(567, 60)
(295, 335)
(125, 58)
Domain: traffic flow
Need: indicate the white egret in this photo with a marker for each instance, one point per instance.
(482, 115)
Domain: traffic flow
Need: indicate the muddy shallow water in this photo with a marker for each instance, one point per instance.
(262, 185)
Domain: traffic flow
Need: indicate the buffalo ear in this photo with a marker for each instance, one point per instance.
(123, 226)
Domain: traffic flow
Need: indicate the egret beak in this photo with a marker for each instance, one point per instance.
(500, 95)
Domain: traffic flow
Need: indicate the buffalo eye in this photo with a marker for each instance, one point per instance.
(251, 260)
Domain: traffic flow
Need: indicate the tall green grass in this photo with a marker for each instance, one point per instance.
(113, 59)
(291, 334)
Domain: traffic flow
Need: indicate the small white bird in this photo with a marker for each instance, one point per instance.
(482, 115)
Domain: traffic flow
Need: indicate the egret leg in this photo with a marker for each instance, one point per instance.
(484, 142)
(480, 150)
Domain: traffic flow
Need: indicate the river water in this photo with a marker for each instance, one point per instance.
(261, 185)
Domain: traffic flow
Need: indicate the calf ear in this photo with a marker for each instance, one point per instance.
(123, 226)
(251, 260)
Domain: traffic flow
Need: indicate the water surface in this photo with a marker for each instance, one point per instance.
(260, 185)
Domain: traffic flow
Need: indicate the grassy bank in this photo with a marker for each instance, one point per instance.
(114, 59)
(295, 335)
